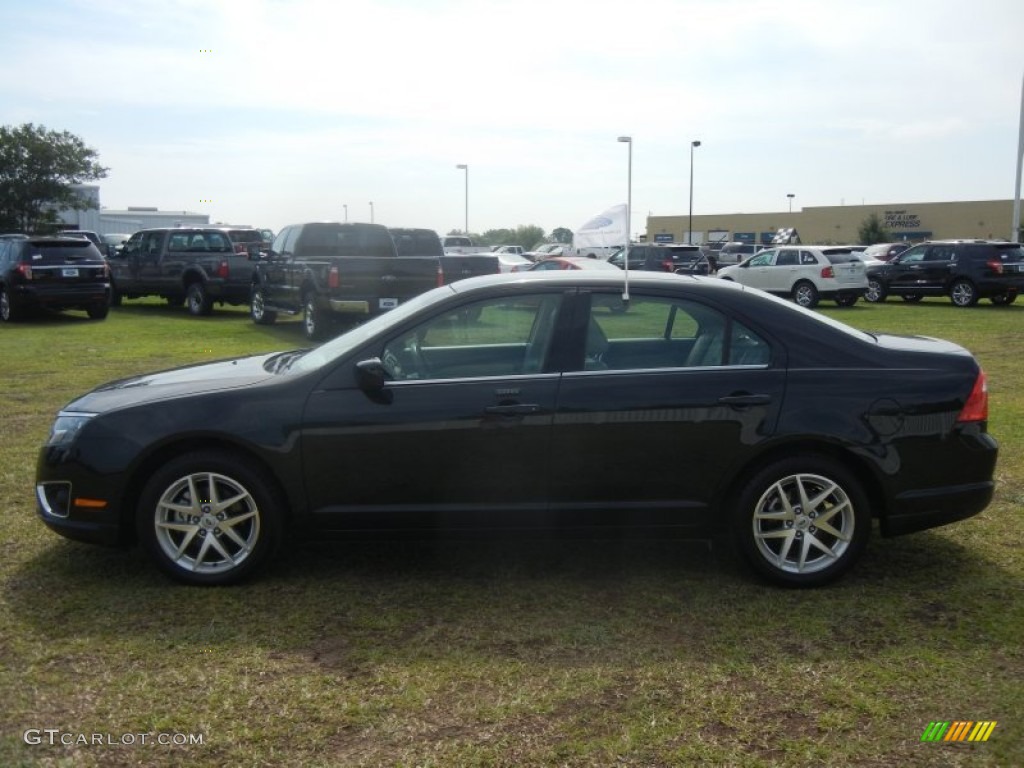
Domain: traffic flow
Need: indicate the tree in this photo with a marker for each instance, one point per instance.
(528, 235)
(561, 235)
(37, 170)
(872, 231)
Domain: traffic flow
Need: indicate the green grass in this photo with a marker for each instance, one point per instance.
(631, 652)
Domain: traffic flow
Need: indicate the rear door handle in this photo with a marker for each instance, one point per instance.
(516, 409)
(741, 400)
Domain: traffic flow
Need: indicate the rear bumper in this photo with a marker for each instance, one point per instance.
(60, 296)
(920, 510)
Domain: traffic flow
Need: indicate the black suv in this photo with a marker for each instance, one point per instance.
(54, 273)
(965, 270)
(689, 259)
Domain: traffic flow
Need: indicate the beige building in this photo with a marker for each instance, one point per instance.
(840, 223)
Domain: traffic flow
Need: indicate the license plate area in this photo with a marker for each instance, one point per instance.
(387, 303)
(69, 272)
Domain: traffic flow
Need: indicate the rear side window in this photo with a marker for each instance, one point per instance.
(841, 257)
(53, 253)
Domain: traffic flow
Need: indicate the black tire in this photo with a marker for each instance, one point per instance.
(876, 291)
(9, 311)
(805, 294)
(911, 298)
(258, 310)
(1003, 299)
(314, 320)
(98, 311)
(963, 293)
(237, 512)
(197, 300)
(846, 301)
(789, 544)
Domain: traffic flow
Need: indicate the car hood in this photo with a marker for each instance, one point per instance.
(177, 382)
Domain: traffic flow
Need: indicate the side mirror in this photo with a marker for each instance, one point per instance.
(371, 376)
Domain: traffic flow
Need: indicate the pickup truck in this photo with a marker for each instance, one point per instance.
(329, 271)
(196, 266)
(461, 245)
(425, 242)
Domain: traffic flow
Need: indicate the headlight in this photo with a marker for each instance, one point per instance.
(66, 427)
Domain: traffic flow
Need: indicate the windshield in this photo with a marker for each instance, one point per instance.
(342, 345)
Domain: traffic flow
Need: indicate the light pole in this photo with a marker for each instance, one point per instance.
(464, 167)
(629, 215)
(689, 234)
(790, 195)
(371, 211)
(345, 206)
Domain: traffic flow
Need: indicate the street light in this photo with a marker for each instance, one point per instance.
(464, 167)
(371, 211)
(629, 214)
(790, 195)
(689, 235)
(345, 206)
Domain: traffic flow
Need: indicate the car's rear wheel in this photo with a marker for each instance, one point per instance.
(963, 293)
(98, 311)
(258, 308)
(802, 521)
(197, 300)
(875, 292)
(9, 313)
(805, 294)
(314, 322)
(846, 301)
(1003, 299)
(209, 518)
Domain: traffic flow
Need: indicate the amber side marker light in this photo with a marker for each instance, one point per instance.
(90, 503)
(976, 407)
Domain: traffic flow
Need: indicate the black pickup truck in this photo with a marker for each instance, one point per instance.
(454, 266)
(197, 266)
(329, 271)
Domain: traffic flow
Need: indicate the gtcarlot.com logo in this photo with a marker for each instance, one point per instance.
(959, 730)
(57, 737)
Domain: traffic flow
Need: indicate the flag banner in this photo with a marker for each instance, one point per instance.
(607, 229)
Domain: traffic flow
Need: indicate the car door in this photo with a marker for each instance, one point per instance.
(668, 394)
(758, 272)
(908, 271)
(152, 261)
(124, 266)
(276, 269)
(460, 433)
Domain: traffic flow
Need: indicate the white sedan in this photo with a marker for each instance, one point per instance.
(805, 273)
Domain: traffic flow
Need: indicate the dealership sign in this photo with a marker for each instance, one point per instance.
(902, 220)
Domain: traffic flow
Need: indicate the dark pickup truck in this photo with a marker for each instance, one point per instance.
(329, 271)
(455, 266)
(197, 266)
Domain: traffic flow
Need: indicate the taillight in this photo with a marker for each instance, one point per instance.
(223, 270)
(995, 265)
(25, 270)
(976, 407)
(828, 272)
(333, 278)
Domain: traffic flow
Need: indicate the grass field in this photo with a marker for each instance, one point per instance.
(506, 653)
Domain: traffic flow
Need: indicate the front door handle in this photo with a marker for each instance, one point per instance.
(744, 400)
(515, 409)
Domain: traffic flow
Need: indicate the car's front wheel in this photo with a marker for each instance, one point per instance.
(802, 521)
(875, 292)
(208, 518)
(197, 300)
(963, 293)
(805, 294)
(314, 324)
(258, 308)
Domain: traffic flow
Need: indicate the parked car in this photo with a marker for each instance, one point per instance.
(246, 240)
(461, 245)
(88, 234)
(52, 272)
(884, 251)
(804, 273)
(329, 271)
(426, 242)
(515, 249)
(735, 252)
(510, 262)
(698, 408)
(660, 257)
(548, 249)
(570, 262)
(964, 270)
(197, 266)
(113, 243)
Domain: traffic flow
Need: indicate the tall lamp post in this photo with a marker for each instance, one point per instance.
(371, 211)
(689, 234)
(464, 167)
(790, 195)
(629, 215)
(345, 206)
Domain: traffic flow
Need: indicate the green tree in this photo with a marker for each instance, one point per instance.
(872, 231)
(528, 235)
(37, 168)
(561, 235)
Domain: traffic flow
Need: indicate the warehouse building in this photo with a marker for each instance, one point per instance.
(106, 221)
(840, 223)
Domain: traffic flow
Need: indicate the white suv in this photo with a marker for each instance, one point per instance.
(807, 273)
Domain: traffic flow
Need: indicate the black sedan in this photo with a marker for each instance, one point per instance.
(681, 403)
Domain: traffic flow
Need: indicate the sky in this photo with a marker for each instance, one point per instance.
(271, 112)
